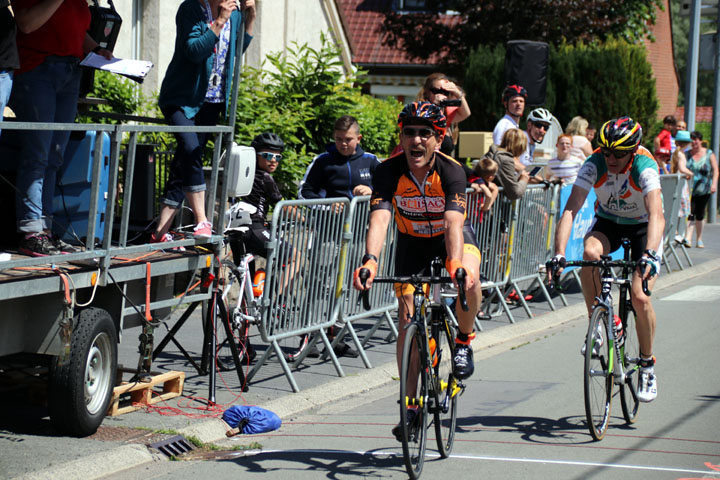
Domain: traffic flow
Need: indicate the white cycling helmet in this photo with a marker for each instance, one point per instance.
(540, 115)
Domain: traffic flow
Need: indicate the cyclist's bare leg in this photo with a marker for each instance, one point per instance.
(405, 313)
(596, 244)
(645, 314)
(466, 320)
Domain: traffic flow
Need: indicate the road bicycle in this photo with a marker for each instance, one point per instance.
(429, 344)
(608, 340)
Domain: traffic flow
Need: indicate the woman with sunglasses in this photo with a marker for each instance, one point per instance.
(702, 162)
(195, 92)
(438, 89)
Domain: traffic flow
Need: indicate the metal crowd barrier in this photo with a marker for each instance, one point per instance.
(382, 296)
(307, 256)
(672, 186)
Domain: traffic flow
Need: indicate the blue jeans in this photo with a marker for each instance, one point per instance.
(47, 93)
(6, 81)
(186, 170)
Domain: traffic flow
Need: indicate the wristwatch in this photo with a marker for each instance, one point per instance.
(367, 257)
(651, 254)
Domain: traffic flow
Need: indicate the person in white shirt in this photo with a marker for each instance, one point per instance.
(513, 99)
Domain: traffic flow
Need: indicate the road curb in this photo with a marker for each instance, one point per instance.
(124, 457)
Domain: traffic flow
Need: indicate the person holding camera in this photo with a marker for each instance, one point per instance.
(438, 89)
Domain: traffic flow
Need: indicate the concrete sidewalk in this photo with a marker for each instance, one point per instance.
(318, 380)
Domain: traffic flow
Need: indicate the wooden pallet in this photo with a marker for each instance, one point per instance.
(132, 396)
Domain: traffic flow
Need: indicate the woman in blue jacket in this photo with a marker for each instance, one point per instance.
(194, 92)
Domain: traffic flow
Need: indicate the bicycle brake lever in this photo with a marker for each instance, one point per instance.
(460, 278)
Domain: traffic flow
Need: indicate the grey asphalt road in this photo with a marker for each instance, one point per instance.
(521, 416)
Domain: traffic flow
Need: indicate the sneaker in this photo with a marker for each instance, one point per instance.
(342, 349)
(37, 245)
(397, 429)
(166, 238)
(597, 343)
(686, 243)
(63, 246)
(699, 244)
(647, 385)
(463, 366)
(679, 239)
(203, 230)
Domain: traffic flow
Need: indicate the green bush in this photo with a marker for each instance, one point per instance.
(299, 97)
(597, 81)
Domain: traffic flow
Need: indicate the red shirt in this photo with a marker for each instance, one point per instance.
(62, 35)
(665, 143)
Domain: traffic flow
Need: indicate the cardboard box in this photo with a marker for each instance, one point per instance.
(474, 144)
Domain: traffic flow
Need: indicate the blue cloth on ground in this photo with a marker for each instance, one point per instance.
(251, 419)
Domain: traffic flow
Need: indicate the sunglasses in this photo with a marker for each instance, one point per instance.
(542, 126)
(615, 153)
(271, 157)
(439, 91)
(423, 133)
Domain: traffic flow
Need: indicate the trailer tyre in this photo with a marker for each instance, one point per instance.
(81, 388)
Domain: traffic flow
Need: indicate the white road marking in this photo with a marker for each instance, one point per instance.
(381, 454)
(698, 293)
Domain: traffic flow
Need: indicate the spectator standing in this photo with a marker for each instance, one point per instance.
(345, 169)
(538, 124)
(511, 174)
(678, 164)
(9, 59)
(703, 164)
(195, 91)
(590, 134)
(581, 147)
(513, 99)
(438, 89)
(52, 39)
(664, 144)
(563, 167)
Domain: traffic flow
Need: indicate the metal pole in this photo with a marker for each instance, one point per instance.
(692, 64)
(716, 117)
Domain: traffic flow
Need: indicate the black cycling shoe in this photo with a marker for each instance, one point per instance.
(463, 365)
(397, 429)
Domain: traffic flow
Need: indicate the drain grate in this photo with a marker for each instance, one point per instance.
(173, 446)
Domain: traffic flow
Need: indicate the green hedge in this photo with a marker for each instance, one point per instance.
(598, 81)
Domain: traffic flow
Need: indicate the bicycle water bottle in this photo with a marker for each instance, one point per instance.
(433, 351)
(619, 334)
(258, 284)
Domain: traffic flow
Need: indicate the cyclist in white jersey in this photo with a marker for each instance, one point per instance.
(629, 205)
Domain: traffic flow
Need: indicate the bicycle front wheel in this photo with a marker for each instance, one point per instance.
(413, 395)
(598, 374)
(631, 359)
(447, 389)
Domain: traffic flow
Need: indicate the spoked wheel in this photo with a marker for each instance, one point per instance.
(445, 408)
(230, 308)
(598, 377)
(631, 353)
(414, 434)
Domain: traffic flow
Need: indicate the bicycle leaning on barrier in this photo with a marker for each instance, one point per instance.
(427, 384)
(611, 349)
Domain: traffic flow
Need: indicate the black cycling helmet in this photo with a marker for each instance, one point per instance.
(424, 113)
(268, 141)
(513, 91)
(622, 133)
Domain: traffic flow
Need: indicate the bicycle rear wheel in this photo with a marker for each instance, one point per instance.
(447, 390)
(631, 358)
(414, 435)
(598, 378)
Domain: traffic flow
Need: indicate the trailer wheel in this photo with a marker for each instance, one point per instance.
(81, 388)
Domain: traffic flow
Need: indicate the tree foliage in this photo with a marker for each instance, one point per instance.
(489, 22)
(299, 97)
(599, 81)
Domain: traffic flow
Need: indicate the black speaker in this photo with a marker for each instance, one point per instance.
(142, 206)
(526, 64)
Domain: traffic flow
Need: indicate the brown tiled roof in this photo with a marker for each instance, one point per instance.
(362, 20)
(702, 114)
